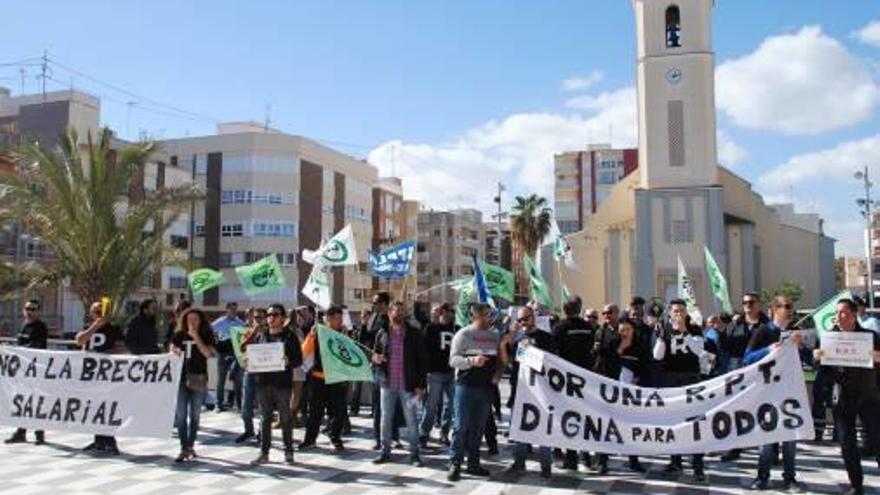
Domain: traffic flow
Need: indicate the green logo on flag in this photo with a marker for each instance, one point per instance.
(342, 359)
(339, 348)
(336, 252)
(261, 276)
(203, 279)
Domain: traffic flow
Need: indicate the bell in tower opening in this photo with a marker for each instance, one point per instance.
(673, 27)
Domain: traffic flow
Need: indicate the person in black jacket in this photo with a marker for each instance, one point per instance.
(274, 388)
(441, 383)
(574, 342)
(400, 363)
(141, 335)
(34, 335)
(679, 350)
(854, 388)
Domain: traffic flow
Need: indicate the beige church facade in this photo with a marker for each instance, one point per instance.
(680, 199)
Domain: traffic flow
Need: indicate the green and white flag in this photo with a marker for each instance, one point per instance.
(467, 293)
(824, 318)
(499, 281)
(338, 251)
(717, 282)
(263, 275)
(236, 335)
(203, 279)
(317, 287)
(561, 247)
(342, 359)
(537, 284)
(687, 293)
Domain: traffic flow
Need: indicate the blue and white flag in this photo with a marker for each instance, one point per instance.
(394, 262)
(483, 294)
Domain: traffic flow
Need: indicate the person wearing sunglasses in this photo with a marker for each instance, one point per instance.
(256, 321)
(34, 335)
(735, 341)
(274, 388)
(527, 334)
(781, 327)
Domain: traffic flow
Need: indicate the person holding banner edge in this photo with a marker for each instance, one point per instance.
(194, 341)
(853, 388)
(34, 335)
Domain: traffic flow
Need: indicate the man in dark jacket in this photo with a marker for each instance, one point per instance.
(34, 335)
(274, 387)
(141, 335)
(441, 383)
(399, 359)
(854, 389)
(574, 342)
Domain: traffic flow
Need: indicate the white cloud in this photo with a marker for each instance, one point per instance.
(836, 164)
(730, 153)
(800, 83)
(581, 83)
(870, 34)
(518, 150)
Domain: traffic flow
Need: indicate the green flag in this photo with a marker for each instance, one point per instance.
(203, 279)
(536, 283)
(342, 359)
(466, 295)
(236, 335)
(261, 276)
(498, 280)
(824, 316)
(717, 282)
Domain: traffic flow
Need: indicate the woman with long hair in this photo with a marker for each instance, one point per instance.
(193, 339)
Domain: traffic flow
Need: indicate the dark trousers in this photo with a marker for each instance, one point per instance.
(329, 398)
(274, 398)
(849, 447)
(823, 386)
(225, 362)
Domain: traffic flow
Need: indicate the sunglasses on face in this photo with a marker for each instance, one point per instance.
(275, 315)
(30, 309)
(524, 319)
(593, 317)
(749, 302)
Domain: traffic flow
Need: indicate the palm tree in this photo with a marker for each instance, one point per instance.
(530, 222)
(74, 199)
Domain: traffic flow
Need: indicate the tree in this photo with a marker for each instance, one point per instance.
(793, 290)
(530, 222)
(74, 199)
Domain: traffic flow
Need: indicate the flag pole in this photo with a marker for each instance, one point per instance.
(561, 281)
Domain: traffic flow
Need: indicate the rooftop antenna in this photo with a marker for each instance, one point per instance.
(268, 119)
(44, 72)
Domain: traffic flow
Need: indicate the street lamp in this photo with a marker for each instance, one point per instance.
(866, 206)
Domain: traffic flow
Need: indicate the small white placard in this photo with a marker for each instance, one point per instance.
(848, 349)
(263, 358)
(531, 357)
(543, 323)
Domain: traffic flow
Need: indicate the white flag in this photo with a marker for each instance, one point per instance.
(687, 294)
(561, 247)
(338, 251)
(317, 287)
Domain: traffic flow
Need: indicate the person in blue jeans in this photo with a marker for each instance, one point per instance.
(194, 341)
(399, 357)
(257, 324)
(525, 334)
(225, 355)
(475, 357)
(438, 340)
(763, 340)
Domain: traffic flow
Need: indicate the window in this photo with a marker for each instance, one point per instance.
(268, 228)
(673, 27)
(200, 230)
(231, 230)
(177, 282)
(179, 241)
(247, 196)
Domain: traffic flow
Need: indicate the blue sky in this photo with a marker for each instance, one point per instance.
(456, 95)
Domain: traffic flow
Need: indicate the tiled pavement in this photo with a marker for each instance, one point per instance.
(147, 467)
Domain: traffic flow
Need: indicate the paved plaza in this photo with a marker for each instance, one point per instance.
(147, 467)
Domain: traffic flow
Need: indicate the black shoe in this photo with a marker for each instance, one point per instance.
(699, 476)
(303, 446)
(244, 437)
(112, 450)
(263, 458)
(382, 459)
(93, 448)
(568, 466)
(338, 446)
(672, 469)
(41, 438)
(181, 457)
(16, 437)
(288, 456)
(416, 461)
(377, 446)
(454, 473)
(637, 467)
(602, 468)
(477, 471)
(515, 468)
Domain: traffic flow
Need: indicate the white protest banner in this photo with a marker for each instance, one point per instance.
(569, 407)
(848, 349)
(101, 394)
(263, 358)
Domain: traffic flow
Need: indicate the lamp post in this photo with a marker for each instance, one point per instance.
(866, 205)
